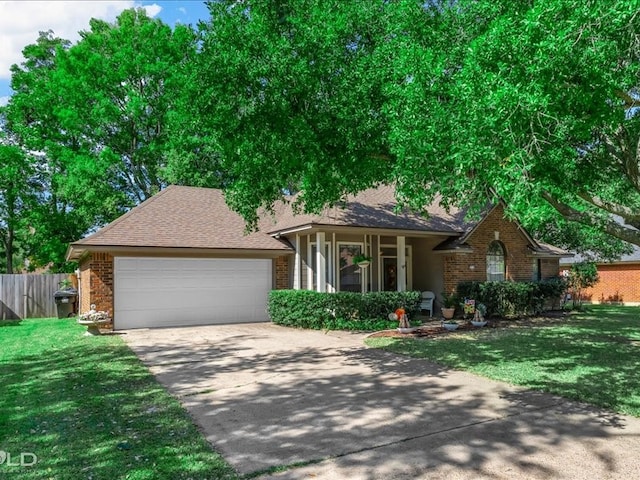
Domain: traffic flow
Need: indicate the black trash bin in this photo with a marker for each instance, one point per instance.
(66, 301)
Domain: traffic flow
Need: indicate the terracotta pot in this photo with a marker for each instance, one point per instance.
(447, 313)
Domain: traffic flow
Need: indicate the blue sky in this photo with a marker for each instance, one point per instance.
(20, 22)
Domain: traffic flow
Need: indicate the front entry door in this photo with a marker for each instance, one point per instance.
(389, 274)
(389, 268)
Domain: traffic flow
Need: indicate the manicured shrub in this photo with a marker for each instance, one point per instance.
(341, 310)
(506, 299)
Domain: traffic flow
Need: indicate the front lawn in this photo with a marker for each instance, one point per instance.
(593, 357)
(88, 409)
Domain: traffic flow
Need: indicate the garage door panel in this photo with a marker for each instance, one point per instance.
(152, 292)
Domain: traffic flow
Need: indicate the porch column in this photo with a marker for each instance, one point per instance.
(321, 263)
(309, 263)
(365, 271)
(401, 267)
(296, 264)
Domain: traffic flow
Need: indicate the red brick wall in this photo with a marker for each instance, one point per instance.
(282, 273)
(473, 266)
(549, 267)
(85, 286)
(618, 283)
(96, 282)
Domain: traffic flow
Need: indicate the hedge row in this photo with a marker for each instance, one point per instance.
(341, 310)
(505, 299)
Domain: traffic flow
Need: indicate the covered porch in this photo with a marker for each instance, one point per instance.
(324, 261)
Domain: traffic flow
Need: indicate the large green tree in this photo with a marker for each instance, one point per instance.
(97, 113)
(16, 198)
(533, 102)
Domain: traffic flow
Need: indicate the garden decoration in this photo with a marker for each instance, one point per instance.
(93, 320)
(478, 316)
(401, 315)
(469, 307)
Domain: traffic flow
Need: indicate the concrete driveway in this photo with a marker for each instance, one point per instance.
(330, 408)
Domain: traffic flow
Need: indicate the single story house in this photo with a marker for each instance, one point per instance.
(183, 257)
(618, 281)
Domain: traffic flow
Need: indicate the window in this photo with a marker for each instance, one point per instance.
(495, 262)
(537, 270)
(350, 275)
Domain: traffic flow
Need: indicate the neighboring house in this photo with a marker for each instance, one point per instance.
(619, 281)
(183, 258)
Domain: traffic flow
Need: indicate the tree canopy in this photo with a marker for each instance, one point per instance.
(531, 102)
(97, 113)
(463, 101)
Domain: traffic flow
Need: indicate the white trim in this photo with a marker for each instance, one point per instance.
(321, 263)
(364, 272)
(409, 263)
(297, 265)
(401, 252)
(332, 264)
(338, 246)
(309, 263)
(379, 247)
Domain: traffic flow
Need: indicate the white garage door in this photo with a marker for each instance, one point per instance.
(163, 292)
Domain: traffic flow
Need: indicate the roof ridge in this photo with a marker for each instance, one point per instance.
(126, 215)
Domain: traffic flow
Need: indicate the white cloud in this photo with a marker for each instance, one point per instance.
(21, 21)
(152, 10)
(3, 101)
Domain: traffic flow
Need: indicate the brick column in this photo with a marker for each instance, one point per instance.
(282, 273)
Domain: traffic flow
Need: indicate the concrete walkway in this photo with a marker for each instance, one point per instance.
(330, 408)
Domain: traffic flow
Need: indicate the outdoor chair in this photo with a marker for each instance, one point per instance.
(427, 302)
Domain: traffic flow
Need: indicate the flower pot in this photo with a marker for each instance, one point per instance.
(476, 323)
(450, 326)
(447, 313)
(407, 330)
(364, 264)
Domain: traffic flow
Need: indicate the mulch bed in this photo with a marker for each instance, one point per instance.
(434, 330)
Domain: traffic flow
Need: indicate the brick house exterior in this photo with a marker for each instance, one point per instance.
(282, 273)
(521, 263)
(149, 258)
(619, 281)
(96, 282)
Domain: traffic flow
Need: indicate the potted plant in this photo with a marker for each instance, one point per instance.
(450, 325)
(94, 320)
(361, 260)
(478, 317)
(449, 303)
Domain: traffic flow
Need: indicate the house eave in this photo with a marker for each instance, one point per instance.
(318, 227)
(551, 255)
(76, 252)
(453, 250)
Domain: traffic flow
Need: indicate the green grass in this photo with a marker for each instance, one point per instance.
(593, 357)
(89, 409)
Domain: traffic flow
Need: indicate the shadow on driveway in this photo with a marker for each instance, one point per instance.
(267, 396)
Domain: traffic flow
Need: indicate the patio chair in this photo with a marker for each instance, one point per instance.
(427, 301)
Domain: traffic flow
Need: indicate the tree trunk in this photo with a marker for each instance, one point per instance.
(9, 250)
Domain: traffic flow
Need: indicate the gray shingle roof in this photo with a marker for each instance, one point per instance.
(633, 257)
(199, 218)
(373, 208)
(186, 217)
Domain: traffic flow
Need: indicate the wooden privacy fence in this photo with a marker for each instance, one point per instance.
(29, 295)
